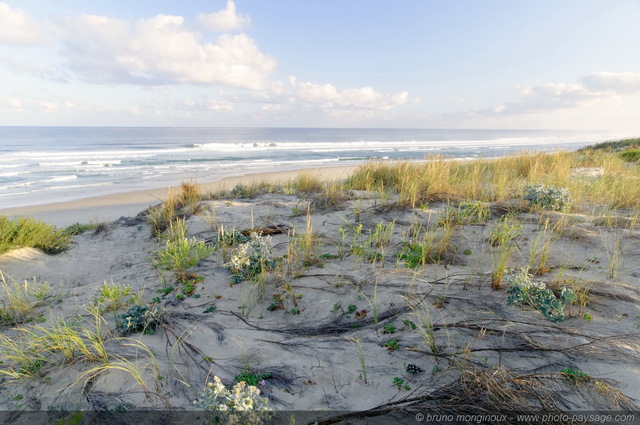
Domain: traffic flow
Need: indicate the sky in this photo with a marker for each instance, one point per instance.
(526, 64)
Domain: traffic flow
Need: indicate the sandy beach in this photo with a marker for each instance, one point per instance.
(329, 301)
(111, 207)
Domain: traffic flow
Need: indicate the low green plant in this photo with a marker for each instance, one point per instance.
(426, 245)
(575, 376)
(230, 238)
(416, 254)
(400, 384)
(475, 211)
(389, 328)
(277, 303)
(392, 345)
(250, 377)
(369, 245)
(525, 291)
(140, 318)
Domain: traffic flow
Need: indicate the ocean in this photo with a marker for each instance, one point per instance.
(40, 165)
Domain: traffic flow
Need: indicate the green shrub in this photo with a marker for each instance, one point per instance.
(524, 291)
(631, 156)
(139, 319)
(23, 232)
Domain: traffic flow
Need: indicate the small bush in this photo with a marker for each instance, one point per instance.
(139, 319)
(548, 197)
(22, 232)
(242, 191)
(631, 156)
(523, 290)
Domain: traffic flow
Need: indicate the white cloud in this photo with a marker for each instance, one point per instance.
(619, 82)
(16, 27)
(547, 98)
(225, 20)
(158, 51)
(329, 97)
(163, 52)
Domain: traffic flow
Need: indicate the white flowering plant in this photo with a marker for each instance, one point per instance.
(548, 197)
(251, 258)
(233, 406)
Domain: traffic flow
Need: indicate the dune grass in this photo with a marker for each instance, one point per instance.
(18, 301)
(179, 203)
(36, 349)
(490, 180)
(24, 232)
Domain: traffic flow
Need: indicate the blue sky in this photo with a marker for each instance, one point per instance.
(570, 64)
